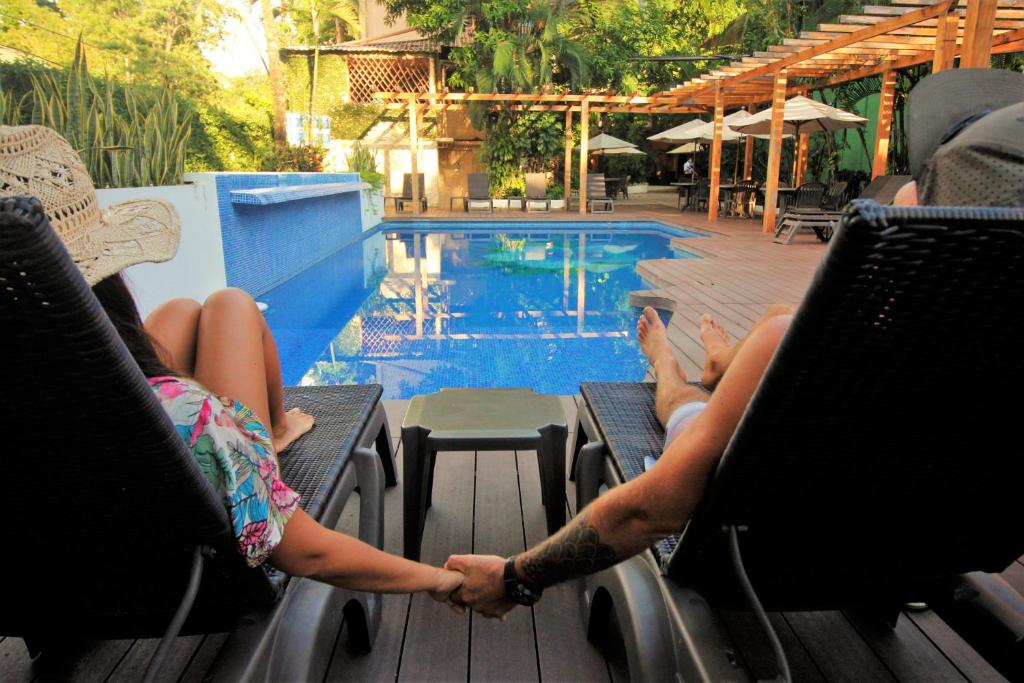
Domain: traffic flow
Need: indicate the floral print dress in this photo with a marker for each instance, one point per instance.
(234, 452)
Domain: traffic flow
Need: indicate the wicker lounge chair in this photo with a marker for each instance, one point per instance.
(823, 219)
(406, 197)
(536, 192)
(597, 195)
(886, 496)
(479, 192)
(111, 517)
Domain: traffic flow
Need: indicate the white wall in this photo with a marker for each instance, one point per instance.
(197, 270)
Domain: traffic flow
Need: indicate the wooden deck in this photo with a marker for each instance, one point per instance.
(490, 503)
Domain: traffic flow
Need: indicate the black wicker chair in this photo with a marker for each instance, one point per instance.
(858, 476)
(111, 521)
(823, 219)
(406, 197)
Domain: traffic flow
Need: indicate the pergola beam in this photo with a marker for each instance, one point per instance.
(716, 153)
(771, 194)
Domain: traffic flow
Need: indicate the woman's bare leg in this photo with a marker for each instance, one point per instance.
(236, 357)
(174, 326)
(672, 390)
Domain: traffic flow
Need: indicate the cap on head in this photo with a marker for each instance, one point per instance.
(982, 166)
(942, 101)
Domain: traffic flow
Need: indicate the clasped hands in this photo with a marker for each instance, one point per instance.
(482, 588)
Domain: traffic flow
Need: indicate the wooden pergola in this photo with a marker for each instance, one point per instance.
(878, 42)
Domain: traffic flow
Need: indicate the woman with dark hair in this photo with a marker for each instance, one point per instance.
(195, 356)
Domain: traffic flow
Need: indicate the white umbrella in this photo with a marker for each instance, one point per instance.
(801, 115)
(605, 142)
(677, 134)
(688, 148)
(619, 151)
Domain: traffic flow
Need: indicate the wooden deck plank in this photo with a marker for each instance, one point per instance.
(501, 651)
(204, 658)
(755, 650)
(905, 650)
(563, 652)
(382, 664)
(836, 648)
(968, 662)
(436, 639)
(134, 664)
(90, 662)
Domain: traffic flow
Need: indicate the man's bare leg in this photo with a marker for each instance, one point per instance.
(720, 350)
(672, 390)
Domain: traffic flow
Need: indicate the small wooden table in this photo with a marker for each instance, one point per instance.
(480, 420)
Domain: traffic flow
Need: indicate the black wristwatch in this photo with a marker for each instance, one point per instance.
(515, 589)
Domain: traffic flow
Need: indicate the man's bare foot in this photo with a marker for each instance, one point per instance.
(296, 424)
(718, 346)
(653, 338)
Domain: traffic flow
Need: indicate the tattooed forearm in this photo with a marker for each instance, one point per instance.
(574, 551)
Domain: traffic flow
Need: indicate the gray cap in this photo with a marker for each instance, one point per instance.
(943, 101)
(982, 166)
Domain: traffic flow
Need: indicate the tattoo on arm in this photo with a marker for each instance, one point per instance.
(574, 551)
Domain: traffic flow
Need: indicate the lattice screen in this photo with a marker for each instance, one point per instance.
(385, 73)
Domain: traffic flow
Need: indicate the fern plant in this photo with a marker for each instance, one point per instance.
(363, 161)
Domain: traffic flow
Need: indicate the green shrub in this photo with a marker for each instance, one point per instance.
(362, 161)
(352, 121)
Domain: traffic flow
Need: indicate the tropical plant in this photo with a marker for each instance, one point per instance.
(132, 143)
(363, 161)
(276, 72)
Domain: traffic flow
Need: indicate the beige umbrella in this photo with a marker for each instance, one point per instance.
(677, 134)
(801, 115)
(620, 151)
(605, 142)
(688, 148)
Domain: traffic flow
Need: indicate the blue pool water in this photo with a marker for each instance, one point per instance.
(418, 306)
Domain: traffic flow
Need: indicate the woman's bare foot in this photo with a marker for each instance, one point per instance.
(719, 348)
(296, 423)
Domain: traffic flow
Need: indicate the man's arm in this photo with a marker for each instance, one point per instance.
(633, 516)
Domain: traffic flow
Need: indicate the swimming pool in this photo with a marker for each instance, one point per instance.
(421, 305)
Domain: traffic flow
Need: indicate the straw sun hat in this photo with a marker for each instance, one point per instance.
(37, 161)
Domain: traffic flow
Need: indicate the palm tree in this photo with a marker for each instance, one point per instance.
(277, 92)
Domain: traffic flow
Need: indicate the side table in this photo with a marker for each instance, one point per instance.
(480, 420)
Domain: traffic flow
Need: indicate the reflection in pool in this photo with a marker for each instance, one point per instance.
(420, 310)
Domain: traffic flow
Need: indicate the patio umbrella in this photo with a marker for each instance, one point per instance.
(688, 148)
(801, 115)
(677, 134)
(619, 151)
(603, 142)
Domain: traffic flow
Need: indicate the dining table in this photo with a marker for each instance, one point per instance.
(613, 186)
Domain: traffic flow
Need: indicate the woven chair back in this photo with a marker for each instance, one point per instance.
(808, 196)
(835, 198)
(479, 186)
(880, 455)
(596, 186)
(105, 502)
(536, 186)
(407, 185)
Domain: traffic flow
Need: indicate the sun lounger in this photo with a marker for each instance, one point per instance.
(536, 192)
(856, 478)
(823, 219)
(479, 192)
(406, 197)
(597, 195)
(111, 524)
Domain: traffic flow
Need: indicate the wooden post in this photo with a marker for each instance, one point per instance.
(771, 194)
(432, 83)
(584, 137)
(886, 97)
(414, 152)
(803, 144)
(567, 176)
(945, 42)
(748, 150)
(978, 24)
(716, 153)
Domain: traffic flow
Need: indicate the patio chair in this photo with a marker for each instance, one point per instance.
(118, 534)
(406, 197)
(597, 195)
(701, 194)
(479, 192)
(536, 192)
(886, 496)
(743, 193)
(823, 219)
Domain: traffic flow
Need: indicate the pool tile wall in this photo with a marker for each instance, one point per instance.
(266, 245)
